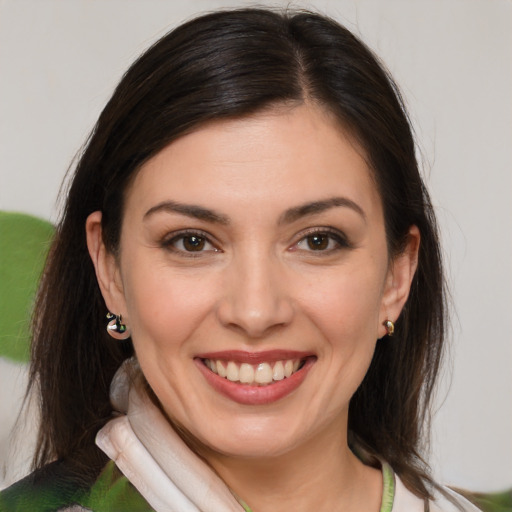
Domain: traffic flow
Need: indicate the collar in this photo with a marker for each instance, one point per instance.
(154, 458)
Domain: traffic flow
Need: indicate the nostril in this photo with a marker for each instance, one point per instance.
(255, 322)
(254, 297)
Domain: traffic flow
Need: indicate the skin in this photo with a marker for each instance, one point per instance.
(259, 284)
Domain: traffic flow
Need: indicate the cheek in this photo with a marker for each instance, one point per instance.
(164, 308)
(348, 317)
(345, 307)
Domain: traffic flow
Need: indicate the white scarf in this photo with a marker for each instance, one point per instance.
(170, 476)
(155, 459)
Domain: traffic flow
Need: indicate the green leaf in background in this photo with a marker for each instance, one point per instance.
(24, 243)
(490, 502)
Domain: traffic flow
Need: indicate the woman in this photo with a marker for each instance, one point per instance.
(249, 215)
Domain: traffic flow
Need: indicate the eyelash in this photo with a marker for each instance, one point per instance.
(332, 236)
(170, 243)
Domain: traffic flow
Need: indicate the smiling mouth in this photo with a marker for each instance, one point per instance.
(261, 374)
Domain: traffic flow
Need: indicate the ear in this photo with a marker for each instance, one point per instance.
(398, 280)
(105, 265)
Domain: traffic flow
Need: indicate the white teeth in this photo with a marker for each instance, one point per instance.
(278, 373)
(232, 372)
(263, 374)
(288, 368)
(245, 373)
(221, 370)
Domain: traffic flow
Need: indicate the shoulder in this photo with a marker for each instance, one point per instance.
(56, 488)
(47, 489)
(406, 501)
(457, 503)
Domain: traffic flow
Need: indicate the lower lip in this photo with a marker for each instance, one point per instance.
(255, 395)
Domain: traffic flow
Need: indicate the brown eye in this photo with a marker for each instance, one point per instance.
(189, 243)
(321, 241)
(318, 242)
(193, 243)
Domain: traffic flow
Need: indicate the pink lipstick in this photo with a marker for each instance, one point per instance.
(255, 378)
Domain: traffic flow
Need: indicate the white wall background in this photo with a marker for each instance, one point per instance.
(59, 62)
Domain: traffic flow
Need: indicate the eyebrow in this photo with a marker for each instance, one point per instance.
(316, 207)
(189, 210)
(289, 216)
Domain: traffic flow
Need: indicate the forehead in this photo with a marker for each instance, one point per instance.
(283, 155)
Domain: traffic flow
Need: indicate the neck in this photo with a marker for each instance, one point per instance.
(322, 475)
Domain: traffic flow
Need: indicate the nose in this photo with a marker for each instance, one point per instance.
(255, 299)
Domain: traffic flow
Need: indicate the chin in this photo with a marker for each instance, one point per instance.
(249, 448)
(254, 437)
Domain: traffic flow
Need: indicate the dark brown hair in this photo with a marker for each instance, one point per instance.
(225, 65)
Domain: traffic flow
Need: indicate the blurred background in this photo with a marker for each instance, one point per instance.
(59, 63)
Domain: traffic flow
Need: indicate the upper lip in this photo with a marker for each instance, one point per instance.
(267, 356)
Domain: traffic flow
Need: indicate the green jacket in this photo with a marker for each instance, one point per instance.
(53, 488)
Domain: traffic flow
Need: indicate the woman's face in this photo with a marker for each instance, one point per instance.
(254, 276)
